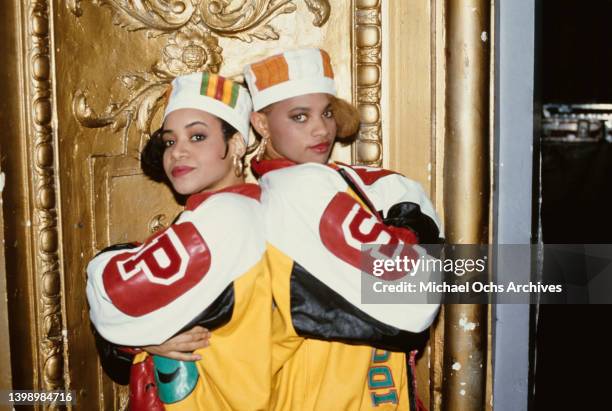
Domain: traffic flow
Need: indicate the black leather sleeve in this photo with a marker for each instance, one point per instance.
(217, 314)
(409, 215)
(115, 363)
(319, 312)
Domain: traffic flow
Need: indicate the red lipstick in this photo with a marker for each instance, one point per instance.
(180, 171)
(321, 147)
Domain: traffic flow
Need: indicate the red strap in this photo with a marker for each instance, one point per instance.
(412, 363)
(143, 388)
(369, 176)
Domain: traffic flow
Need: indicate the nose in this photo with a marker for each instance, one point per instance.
(179, 149)
(319, 127)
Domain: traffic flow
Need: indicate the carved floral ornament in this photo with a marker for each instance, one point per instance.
(192, 28)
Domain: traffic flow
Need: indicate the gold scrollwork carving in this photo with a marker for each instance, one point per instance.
(245, 20)
(139, 107)
(156, 223)
(44, 217)
(367, 49)
(187, 51)
(192, 45)
(320, 9)
(155, 16)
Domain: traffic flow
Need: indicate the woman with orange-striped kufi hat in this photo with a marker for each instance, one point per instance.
(318, 215)
(278, 81)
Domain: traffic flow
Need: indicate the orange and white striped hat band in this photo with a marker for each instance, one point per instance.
(213, 94)
(289, 74)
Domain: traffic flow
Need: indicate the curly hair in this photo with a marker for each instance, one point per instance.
(152, 155)
(348, 120)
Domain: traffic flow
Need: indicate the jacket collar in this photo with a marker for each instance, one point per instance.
(262, 167)
(247, 189)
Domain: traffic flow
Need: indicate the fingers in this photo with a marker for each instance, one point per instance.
(198, 328)
(183, 356)
(190, 345)
(198, 333)
(190, 340)
(162, 351)
(181, 347)
(191, 335)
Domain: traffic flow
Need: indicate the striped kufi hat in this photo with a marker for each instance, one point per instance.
(289, 74)
(213, 94)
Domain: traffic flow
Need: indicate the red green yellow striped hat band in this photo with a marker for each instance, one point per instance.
(289, 74)
(213, 94)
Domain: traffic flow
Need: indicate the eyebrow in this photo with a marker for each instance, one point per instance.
(300, 109)
(196, 123)
(308, 108)
(193, 123)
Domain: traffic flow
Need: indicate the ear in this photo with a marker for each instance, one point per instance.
(259, 121)
(237, 145)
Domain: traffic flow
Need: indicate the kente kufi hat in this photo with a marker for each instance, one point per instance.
(213, 94)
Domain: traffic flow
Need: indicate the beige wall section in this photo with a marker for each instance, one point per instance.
(408, 93)
(413, 124)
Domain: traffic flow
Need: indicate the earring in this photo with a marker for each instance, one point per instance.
(238, 166)
(262, 147)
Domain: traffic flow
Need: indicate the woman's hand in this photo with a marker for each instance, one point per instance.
(182, 346)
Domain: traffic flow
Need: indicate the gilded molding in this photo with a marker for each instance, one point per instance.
(466, 190)
(367, 49)
(44, 219)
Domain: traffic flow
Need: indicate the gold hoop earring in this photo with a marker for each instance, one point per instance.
(262, 147)
(238, 166)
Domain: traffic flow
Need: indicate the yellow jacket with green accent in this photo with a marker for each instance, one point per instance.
(316, 220)
(207, 268)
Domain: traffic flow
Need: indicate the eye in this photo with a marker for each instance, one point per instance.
(300, 118)
(198, 137)
(328, 114)
(167, 143)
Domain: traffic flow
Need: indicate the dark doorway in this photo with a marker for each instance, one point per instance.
(575, 82)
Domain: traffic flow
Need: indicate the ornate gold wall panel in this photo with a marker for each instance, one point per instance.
(114, 59)
(85, 90)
